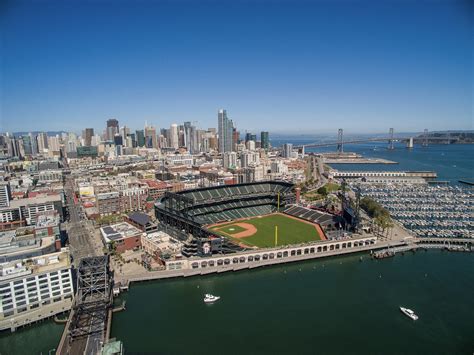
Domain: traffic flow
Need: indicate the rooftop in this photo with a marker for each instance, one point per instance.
(156, 184)
(35, 200)
(119, 231)
(35, 265)
(47, 220)
(139, 218)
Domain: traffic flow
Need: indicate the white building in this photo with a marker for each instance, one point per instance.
(4, 194)
(230, 160)
(174, 142)
(34, 289)
(180, 159)
(50, 175)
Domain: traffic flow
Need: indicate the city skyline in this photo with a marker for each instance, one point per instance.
(297, 67)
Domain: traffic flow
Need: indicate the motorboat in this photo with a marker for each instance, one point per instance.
(409, 313)
(208, 298)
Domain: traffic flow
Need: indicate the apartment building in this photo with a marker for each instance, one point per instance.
(33, 289)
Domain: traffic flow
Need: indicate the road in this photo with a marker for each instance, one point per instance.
(84, 240)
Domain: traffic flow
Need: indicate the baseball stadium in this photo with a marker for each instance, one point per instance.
(230, 218)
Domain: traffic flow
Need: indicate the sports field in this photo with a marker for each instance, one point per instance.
(260, 231)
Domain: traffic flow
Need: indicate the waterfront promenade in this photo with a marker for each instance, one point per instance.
(247, 260)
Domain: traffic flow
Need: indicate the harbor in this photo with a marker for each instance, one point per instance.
(427, 210)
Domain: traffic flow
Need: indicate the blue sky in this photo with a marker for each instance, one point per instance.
(299, 66)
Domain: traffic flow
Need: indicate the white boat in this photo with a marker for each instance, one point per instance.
(409, 313)
(210, 298)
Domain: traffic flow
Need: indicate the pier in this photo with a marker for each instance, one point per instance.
(451, 244)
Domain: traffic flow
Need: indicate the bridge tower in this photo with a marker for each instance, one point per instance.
(340, 142)
(390, 139)
(425, 138)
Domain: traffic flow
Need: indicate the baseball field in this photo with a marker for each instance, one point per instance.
(260, 231)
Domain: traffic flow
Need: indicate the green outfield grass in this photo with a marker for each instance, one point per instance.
(290, 231)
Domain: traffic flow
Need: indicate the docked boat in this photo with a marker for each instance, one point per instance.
(210, 298)
(409, 313)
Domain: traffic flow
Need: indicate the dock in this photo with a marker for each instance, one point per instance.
(467, 182)
(450, 244)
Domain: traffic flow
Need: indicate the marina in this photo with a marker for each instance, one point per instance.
(427, 210)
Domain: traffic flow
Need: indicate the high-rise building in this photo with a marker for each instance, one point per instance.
(87, 135)
(42, 140)
(191, 139)
(287, 150)
(174, 138)
(118, 140)
(265, 142)
(27, 146)
(14, 147)
(150, 137)
(112, 129)
(235, 138)
(53, 144)
(140, 135)
(124, 132)
(225, 128)
(248, 137)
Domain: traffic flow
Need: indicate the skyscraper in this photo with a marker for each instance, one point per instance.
(27, 148)
(140, 138)
(150, 137)
(174, 138)
(225, 129)
(88, 134)
(42, 139)
(112, 129)
(265, 142)
(287, 150)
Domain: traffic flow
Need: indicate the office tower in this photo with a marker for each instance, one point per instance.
(250, 145)
(53, 144)
(133, 140)
(235, 138)
(287, 150)
(34, 144)
(112, 129)
(253, 137)
(140, 136)
(95, 141)
(174, 139)
(14, 147)
(191, 139)
(42, 139)
(264, 140)
(87, 135)
(181, 138)
(124, 132)
(71, 146)
(150, 137)
(27, 146)
(248, 137)
(118, 140)
(225, 129)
